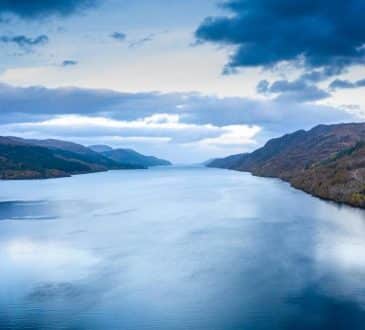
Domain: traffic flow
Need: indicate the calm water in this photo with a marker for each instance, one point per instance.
(178, 248)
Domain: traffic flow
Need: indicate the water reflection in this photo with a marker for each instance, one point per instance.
(41, 209)
(26, 210)
(324, 311)
(212, 253)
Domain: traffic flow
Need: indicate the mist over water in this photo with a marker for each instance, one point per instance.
(177, 248)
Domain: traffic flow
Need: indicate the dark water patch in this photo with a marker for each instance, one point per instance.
(26, 210)
(316, 310)
(37, 218)
(44, 209)
(47, 291)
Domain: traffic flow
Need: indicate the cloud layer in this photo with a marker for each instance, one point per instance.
(40, 102)
(158, 127)
(306, 44)
(266, 32)
(216, 126)
(34, 9)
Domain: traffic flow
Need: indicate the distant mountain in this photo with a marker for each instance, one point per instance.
(55, 144)
(227, 162)
(129, 156)
(30, 159)
(100, 148)
(84, 153)
(327, 161)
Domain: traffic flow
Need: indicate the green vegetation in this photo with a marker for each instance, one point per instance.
(327, 161)
(129, 156)
(33, 159)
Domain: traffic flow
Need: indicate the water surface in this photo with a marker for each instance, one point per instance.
(177, 248)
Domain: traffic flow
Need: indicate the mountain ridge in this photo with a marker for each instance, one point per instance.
(129, 156)
(327, 161)
(40, 159)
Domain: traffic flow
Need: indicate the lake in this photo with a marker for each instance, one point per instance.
(177, 248)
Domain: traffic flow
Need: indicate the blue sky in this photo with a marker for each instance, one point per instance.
(185, 80)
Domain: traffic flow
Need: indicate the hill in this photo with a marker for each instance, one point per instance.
(35, 159)
(327, 161)
(129, 156)
(100, 148)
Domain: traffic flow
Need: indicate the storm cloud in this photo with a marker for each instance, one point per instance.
(322, 33)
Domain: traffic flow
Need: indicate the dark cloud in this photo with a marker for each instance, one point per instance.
(325, 73)
(69, 63)
(346, 84)
(40, 101)
(299, 90)
(25, 42)
(323, 33)
(33, 9)
(302, 89)
(119, 36)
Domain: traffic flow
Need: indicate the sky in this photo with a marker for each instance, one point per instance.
(183, 80)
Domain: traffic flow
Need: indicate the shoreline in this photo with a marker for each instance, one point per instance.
(326, 199)
(68, 175)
